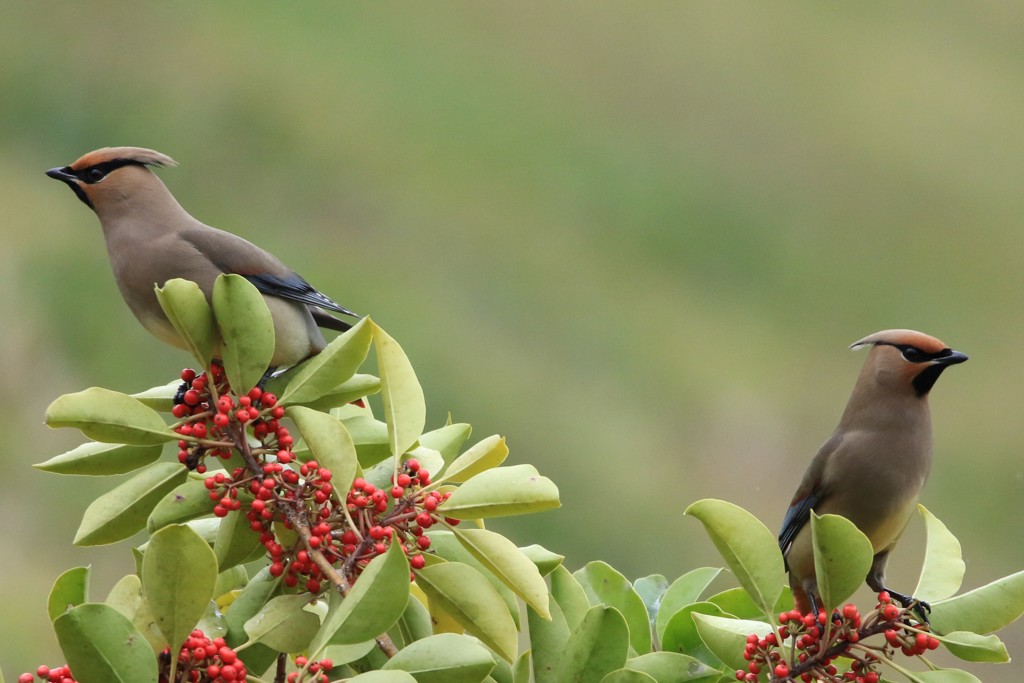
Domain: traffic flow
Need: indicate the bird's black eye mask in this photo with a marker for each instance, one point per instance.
(97, 172)
(912, 354)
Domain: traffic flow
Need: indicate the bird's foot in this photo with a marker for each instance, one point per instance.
(920, 608)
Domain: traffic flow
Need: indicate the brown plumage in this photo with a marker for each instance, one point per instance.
(873, 467)
(150, 239)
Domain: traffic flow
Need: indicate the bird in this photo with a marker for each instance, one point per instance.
(873, 467)
(151, 238)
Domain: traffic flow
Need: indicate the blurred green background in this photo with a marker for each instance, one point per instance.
(634, 238)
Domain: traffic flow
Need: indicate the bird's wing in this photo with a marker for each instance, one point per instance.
(808, 495)
(233, 254)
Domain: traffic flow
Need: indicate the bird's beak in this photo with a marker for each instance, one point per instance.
(62, 174)
(952, 359)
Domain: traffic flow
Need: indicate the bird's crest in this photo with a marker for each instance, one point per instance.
(137, 155)
(918, 340)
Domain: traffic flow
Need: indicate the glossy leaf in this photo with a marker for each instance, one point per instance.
(343, 654)
(943, 570)
(521, 669)
(480, 457)
(597, 647)
(159, 398)
(681, 636)
(122, 511)
(628, 676)
(372, 606)
(747, 546)
(467, 596)
(96, 459)
(738, 603)
(383, 677)
(328, 369)
(651, 590)
(443, 658)
(179, 571)
(515, 490)
(972, 647)
(247, 604)
(246, 328)
(982, 610)
(842, 558)
(726, 638)
(672, 667)
(444, 544)
(101, 646)
(126, 596)
(503, 559)
(110, 417)
(283, 624)
(545, 560)
(329, 442)
(186, 502)
(604, 585)
(186, 308)
(570, 596)
(548, 640)
(69, 590)
(355, 387)
(405, 410)
(235, 542)
(945, 676)
(371, 439)
(684, 591)
(447, 440)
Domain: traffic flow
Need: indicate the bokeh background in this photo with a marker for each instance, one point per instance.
(634, 238)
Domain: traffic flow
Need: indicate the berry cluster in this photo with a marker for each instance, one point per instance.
(816, 642)
(208, 414)
(202, 660)
(318, 669)
(60, 674)
(306, 526)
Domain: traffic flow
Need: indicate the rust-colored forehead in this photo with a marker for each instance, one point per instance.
(139, 155)
(918, 340)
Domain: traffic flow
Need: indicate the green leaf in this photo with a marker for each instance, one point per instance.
(547, 640)
(405, 411)
(383, 677)
(447, 440)
(179, 572)
(522, 668)
(545, 560)
(943, 569)
(102, 646)
(100, 459)
(738, 603)
(121, 512)
(372, 606)
(445, 545)
(235, 542)
(628, 676)
(605, 586)
(972, 647)
(126, 596)
(247, 328)
(159, 398)
(982, 610)
(185, 502)
(515, 490)
(329, 442)
(465, 594)
(946, 676)
(69, 590)
(335, 364)
(443, 658)
(284, 624)
(680, 635)
(353, 388)
(247, 604)
(110, 417)
(726, 638)
(842, 558)
(482, 456)
(672, 667)
(651, 590)
(371, 439)
(597, 647)
(503, 559)
(684, 591)
(747, 546)
(572, 600)
(186, 307)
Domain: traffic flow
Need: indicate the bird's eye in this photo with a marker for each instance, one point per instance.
(913, 355)
(95, 175)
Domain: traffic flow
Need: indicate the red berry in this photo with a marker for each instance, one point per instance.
(424, 477)
(423, 542)
(187, 375)
(412, 464)
(26, 678)
(397, 492)
(417, 562)
(781, 671)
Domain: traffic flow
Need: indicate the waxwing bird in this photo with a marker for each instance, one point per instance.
(151, 239)
(871, 470)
